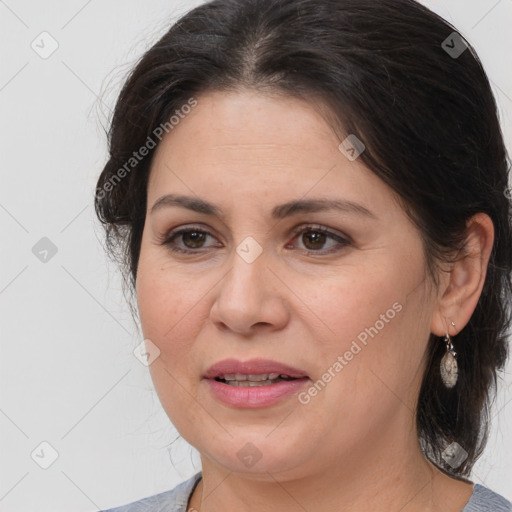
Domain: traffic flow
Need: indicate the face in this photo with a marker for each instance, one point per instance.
(272, 244)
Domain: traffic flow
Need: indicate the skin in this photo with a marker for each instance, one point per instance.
(354, 445)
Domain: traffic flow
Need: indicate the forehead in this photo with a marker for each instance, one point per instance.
(250, 146)
(247, 123)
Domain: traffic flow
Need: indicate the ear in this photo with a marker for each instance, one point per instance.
(461, 287)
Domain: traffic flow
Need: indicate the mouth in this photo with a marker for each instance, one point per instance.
(260, 371)
(254, 383)
(242, 380)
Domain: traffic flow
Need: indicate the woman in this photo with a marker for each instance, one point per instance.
(311, 201)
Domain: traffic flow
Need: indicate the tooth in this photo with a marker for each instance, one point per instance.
(257, 378)
(249, 383)
(229, 376)
(273, 376)
(241, 376)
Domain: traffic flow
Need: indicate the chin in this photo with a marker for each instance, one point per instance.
(256, 455)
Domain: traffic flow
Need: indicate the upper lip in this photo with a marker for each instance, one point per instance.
(252, 367)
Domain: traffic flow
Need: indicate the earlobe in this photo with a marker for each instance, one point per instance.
(462, 288)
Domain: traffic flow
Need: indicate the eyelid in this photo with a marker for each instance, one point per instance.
(321, 228)
(187, 227)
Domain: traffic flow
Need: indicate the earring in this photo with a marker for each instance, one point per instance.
(448, 367)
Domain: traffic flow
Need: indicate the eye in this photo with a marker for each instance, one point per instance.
(315, 238)
(191, 239)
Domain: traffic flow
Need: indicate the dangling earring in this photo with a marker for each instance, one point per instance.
(448, 367)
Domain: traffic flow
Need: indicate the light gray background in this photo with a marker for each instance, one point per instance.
(67, 370)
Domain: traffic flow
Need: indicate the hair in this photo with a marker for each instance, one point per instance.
(428, 120)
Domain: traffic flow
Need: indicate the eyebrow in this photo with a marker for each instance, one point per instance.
(278, 212)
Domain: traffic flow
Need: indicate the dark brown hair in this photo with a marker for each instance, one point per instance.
(428, 120)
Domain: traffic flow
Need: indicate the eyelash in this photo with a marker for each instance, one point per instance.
(342, 241)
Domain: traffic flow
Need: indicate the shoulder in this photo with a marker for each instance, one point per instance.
(485, 500)
(174, 500)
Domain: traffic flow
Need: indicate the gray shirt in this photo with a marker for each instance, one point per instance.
(175, 500)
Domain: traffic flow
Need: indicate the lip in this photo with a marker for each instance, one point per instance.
(252, 367)
(256, 396)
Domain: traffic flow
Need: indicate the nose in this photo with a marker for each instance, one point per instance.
(250, 299)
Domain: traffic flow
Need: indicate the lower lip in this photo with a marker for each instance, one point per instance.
(255, 396)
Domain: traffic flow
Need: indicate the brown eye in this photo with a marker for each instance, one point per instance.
(193, 239)
(189, 240)
(317, 239)
(313, 240)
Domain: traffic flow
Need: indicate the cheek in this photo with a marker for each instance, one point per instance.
(348, 304)
(370, 329)
(171, 309)
(171, 305)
